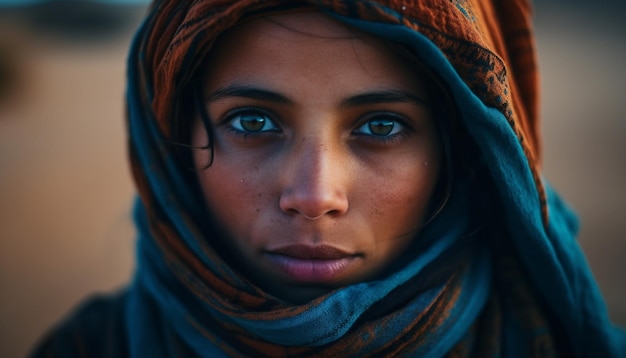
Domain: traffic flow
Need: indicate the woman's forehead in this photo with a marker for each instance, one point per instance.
(306, 21)
(283, 49)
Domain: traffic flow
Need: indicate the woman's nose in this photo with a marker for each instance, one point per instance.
(315, 180)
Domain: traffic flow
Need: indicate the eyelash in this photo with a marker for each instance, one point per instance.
(366, 120)
(231, 116)
(395, 135)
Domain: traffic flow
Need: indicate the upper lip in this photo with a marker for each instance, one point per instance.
(307, 252)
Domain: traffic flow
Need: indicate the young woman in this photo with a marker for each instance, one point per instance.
(342, 178)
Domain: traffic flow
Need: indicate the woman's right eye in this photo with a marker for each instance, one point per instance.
(252, 121)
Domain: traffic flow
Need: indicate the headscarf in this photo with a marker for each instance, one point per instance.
(521, 288)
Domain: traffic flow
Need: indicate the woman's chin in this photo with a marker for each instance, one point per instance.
(299, 295)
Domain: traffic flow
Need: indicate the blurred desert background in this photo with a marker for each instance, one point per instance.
(66, 191)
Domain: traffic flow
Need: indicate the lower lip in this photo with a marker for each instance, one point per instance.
(311, 271)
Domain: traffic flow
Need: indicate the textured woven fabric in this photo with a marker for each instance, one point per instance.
(519, 287)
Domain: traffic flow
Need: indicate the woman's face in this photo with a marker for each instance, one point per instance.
(326, 153)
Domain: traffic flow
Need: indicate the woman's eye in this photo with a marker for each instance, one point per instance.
(252, 122)
(381, 127)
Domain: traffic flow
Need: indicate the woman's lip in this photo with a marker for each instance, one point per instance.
(311, 264)
(307, 252)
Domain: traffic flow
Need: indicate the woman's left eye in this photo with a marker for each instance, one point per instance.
(252, 121)
(383, 126)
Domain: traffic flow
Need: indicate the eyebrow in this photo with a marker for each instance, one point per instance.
(245, 91)
(383, 96)
(266, 95)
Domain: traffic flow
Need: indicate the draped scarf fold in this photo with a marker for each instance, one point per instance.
(186, 300)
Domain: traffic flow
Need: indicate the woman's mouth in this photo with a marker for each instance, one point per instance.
(311, 264)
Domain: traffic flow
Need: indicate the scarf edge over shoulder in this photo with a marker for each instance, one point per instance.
(484, 52)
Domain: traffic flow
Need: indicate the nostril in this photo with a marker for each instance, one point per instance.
(313, 218)
(312, 207)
